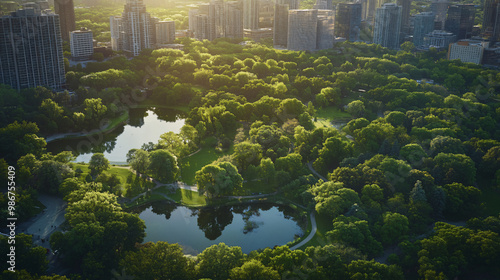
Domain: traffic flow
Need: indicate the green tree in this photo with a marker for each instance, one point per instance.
(94, 110)
(372, 270)
(267, 169)
(18, 139)
(394, 228)
(462, 202)
(218, 179)
(139, 161)
(158, 260)
(163, 166)
(356, 108)
(97, 164)
(27, 256)
(254, 270)
(356, 233)
(216, 261)
(246, 153)
(333, 199)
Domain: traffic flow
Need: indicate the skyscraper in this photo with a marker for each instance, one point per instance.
(440, 9)
(234, 20)
(324, 33)
(116, 30)
(348, 21)
(302, 30)
(250, 14)
(136, 29)
(491, 20)
(405, 13)
(388, 26)
(82, 44)
(165, 32)
(31, 50)
(280, 30)
(460, 20)
(66, 11)
(217, 19)
(423, 24)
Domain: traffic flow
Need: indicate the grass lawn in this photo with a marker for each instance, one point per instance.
(257, 187)
(189, 165)
(332, 113)
(185, 197)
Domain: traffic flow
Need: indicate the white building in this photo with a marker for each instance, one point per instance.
(81, 43)
(467, 51)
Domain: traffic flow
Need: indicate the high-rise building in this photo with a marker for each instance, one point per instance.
(460, 20)
(438, 39)
(280, 30)
(165, 32)
(250, 14)
(82, 44)
(388, 26)
(302, 30)
(405, 13)
(324, 33)
(440, 8)
(31, 51)
(266, 13)
(423, 24)
(467, 51)
(491, 20)
(234, 20)
(258, 34)
(135, 30)
(217, 19)
(66, 11)
(116, 30)
(323, 5)
(292, 4)
(348, 21)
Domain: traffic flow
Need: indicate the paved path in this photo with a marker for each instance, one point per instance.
(44, 224)
(309, 164)
(311, 234)
(252, 196)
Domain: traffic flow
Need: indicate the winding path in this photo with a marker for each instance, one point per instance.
(314, 228)
(309, 164)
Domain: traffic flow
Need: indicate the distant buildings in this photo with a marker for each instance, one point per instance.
(467, 51)
(250, 14)
(423, 24)
(31, 51)
(388, 26)
(165, 32)
(405, 13)
(66, 11)
(491, 20)
(438, 39)
(116, 30)
(258, 34)
(310, 30)
(280, 28)
(217, 19)
(324, 31)
(302, 30)
(460, 20)
(81, 44)
(439, 8)
(348, 21)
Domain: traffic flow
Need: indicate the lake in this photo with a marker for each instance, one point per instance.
(144, 125)
(250, 226)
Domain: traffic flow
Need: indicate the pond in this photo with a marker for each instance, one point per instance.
(250, 226)
(144, 125)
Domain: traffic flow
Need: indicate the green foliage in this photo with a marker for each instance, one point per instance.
(160, 259)
(217, 261)
(163, 166)
(333, 199)
(97, 164)
(356, 233)
(27, 256)
(254, 270)
(218, 179)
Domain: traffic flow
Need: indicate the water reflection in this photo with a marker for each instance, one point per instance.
(250, 226)
(144, 125)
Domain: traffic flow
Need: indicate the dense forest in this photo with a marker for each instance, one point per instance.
(408, 188)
